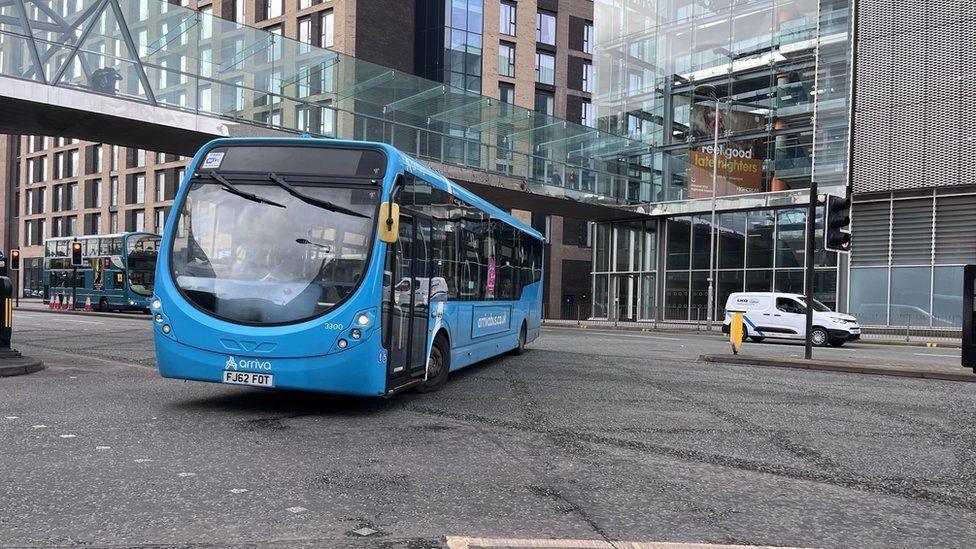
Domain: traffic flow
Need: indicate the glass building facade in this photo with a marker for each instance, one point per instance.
(743, 104)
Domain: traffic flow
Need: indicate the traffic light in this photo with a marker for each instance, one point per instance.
(76, 254)
(837, 224)
(15, 259)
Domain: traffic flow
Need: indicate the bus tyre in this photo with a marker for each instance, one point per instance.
(438, 367)
(520, 348)
(819, 336)
(103, 304)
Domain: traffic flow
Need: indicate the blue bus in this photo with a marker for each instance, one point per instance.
(337, 266)
(117, 274)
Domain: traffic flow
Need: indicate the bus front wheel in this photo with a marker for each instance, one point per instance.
(438, 366)
(103, 305)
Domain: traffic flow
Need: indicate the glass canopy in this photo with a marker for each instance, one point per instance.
(161, 54)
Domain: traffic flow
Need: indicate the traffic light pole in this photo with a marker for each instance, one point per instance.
(74, 277)
(808, 275)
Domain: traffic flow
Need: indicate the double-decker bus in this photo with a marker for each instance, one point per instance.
(117, 272)
(337, 266)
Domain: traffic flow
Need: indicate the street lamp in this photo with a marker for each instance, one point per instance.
(710, 91)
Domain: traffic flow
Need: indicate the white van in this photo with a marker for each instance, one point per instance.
(780, 315)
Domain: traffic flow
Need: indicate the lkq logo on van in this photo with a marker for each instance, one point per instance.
(247, 364)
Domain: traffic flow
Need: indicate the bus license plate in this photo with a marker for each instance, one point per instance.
(248, 378)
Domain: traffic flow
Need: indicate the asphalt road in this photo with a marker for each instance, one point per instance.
(587, 436)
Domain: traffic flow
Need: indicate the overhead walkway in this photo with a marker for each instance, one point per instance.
(149, 74)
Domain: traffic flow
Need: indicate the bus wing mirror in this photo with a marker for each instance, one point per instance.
(389, 222)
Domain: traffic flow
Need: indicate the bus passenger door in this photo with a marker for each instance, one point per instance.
(406, 311)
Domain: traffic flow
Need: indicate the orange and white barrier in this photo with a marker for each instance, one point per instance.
(88, 303)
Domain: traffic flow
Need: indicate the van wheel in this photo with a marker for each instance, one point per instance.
(103, 305)
(819, 336)
(757, 339)
(437, 368)
(520, 348)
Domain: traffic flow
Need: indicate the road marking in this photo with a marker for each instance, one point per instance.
(102, 447)
(68, 436)
(238, 490)
(39, 426)
(615, 334)
(935, 354)
(457, 542)
(187, 474)
(296, 510)
(71, 320)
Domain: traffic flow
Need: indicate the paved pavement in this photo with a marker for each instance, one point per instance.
(690, 345)
(587, 437)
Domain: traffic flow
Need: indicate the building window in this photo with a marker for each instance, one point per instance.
(160, 188)
(327, 29)
(57, 198)
(59, 166)
(588, 38)
(545, 28)
(545, 68)
(586, 114)
(273, 8)
(72, 196)
(305, 33)
(93, 222)
(506, 19)
(113, 192)
(305, 4)
(506, 92)
(239, 16)
(72, 159)
(506, 59)
(544, 102)
(587, 77)
(114, 158)
(159, 220)
(138, 220)
(113, 222)
(138, 189)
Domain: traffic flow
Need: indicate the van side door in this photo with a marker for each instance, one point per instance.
(791, 316)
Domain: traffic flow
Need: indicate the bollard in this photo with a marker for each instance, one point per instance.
(6, 312)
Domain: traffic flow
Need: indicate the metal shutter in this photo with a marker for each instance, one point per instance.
(955, 229)
(869, 229)
(911, 232)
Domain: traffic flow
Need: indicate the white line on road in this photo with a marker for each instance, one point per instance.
(935, 354)
(68, 320)
(615, 334)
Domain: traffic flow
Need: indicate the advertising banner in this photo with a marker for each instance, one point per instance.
(739, 162)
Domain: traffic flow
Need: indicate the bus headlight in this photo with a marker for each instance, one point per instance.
(355, 333)
(166, 328)
(342, 342)
(159, 318)
(157, 304)
(363, 319)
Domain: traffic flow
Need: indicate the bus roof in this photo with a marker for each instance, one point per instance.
(395, 155)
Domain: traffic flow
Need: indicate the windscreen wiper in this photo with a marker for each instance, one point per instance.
(280, 181)
(243, 194)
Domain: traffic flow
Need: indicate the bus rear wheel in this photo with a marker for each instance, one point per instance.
(103, 305)
(520, 348)
(438, 366)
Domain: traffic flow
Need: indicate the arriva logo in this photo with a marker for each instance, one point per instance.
(247, 364)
